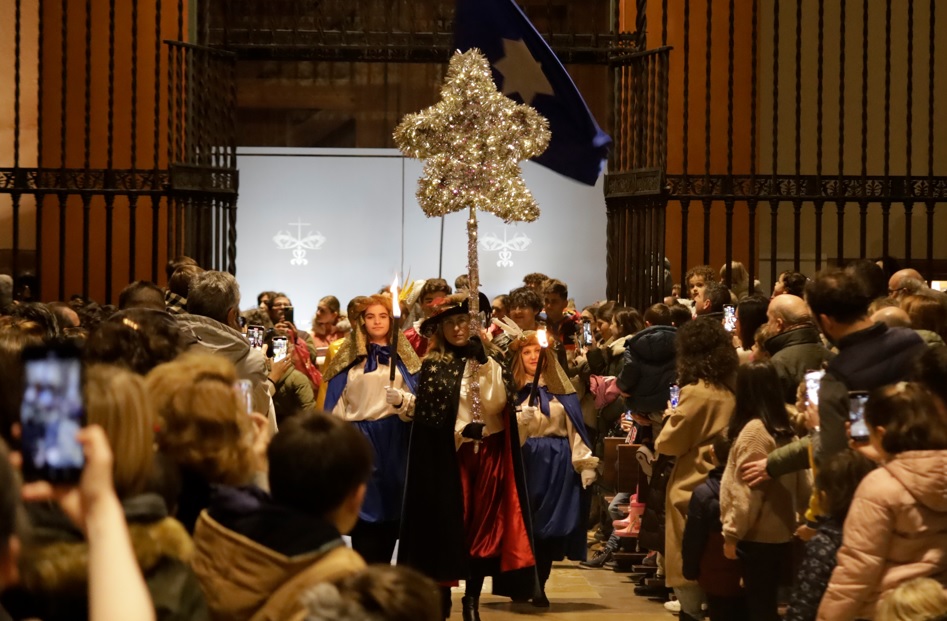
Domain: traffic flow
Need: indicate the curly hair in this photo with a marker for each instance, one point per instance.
(201, 425)
(138, 339)
(706, 272)
(705, 352)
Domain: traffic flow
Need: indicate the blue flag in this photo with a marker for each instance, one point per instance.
(527, 70)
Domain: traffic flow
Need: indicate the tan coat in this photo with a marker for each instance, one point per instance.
(896, 530)
(703, 412)
(245, 581)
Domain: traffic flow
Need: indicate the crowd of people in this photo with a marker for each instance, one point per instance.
(242, 464)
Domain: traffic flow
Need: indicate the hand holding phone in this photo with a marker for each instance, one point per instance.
(856, 416)
(51, 414)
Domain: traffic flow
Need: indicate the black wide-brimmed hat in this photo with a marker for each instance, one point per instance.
(457, 304)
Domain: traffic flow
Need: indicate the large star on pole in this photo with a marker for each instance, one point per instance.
(473, 140)
(521, 72)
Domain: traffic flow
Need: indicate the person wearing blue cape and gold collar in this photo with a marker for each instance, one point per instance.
(360, 391)
(464, 508)
(557, 456)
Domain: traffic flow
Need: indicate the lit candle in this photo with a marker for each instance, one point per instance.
(395, 323)
(543, 343)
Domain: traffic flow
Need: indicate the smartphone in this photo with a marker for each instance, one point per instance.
(279, 348)
(729, 317)
(675, 395)
(288, 314)
(813, 381)
(627, 416)
(244, 389)
(856, 415)
(255, 336)
(52, 413)
(586, 333)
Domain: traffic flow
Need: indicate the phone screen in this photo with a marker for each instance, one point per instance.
(813, 381)
(856, 415)
(244, 390)
(279, 348)
(255, 336)
(729, 317)
(674, 394)
(586, 333)
(52, 413)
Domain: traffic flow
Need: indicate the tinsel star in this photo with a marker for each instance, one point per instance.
(473, 140)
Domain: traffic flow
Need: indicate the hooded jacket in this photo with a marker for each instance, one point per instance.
(649, 368)
(55, 568)
(255, 558)
(896, 530)
(215, 337)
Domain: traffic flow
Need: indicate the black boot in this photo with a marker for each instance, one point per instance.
(471, 605)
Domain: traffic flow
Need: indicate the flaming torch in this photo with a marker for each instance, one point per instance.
(395, 323)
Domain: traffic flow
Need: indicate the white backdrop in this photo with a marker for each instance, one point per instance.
(316, 222)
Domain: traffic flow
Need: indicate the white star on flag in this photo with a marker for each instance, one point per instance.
(521, 72)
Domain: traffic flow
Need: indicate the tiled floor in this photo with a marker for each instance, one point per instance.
(576, 595)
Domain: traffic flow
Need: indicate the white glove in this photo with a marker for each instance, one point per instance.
(526, 415)
(588, 477)
(394, 397)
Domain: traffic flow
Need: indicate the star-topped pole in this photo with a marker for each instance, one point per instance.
(473, 140)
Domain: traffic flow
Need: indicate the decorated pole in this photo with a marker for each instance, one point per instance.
(473, 140)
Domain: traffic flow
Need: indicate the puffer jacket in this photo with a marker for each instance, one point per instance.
(896, 530)
(255, 559)
(649, 369)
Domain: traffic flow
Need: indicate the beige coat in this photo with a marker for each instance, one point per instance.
(703, 411)
(245, 581)
(896, 530)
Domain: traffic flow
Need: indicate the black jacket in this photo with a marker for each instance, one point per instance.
(794, 352)
(649, 369)
(867, 359)
(815, 571)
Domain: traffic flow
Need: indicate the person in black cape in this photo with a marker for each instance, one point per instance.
(464, 511)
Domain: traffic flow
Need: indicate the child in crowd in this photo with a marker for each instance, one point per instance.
(759, 523)
(256, 555)
(837, 481)
(921, 599)
(896, 528)
(718, 576)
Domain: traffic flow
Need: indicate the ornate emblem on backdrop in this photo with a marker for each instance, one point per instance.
(299, 244)
(505, 246)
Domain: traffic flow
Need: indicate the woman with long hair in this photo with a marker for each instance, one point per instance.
(463, 511)
(361, 392)
(557, 455)
(706, 371)
(760, 522)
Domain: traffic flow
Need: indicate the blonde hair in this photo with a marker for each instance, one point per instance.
(921, 599)
(201, 424)
(117, 400)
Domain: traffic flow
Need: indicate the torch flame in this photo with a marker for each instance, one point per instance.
(395, 303)
(541, 337)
